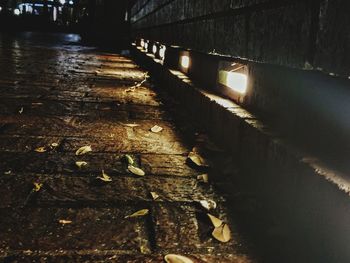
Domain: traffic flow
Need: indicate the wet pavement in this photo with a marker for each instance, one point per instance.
(58, 96)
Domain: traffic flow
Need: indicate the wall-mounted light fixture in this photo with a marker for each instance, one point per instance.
(154, 48)
(161, 52)
(16, 12)
(233, 80)
(146, 45)
(184, 61)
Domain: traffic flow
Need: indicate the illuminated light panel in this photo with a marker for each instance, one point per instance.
(62, 2)
(0, 8)
(154, 49)
(142, 43)
(146, 46)
(234, 80)
(162, 50)
(185, 62)
(54, 14)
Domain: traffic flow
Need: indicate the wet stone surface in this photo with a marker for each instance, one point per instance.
(56, 98)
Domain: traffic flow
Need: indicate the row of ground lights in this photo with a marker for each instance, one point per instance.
(232, 78)
(157, 49)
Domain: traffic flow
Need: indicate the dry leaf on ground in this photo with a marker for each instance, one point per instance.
(132, 125)
(81, 164)
(129, 159)
(65, 222)
(197, 159)
(222, 233)
(154, 195)
(203, 178)
(139, 213)
(136, 170)
(40, 150)
(215, 221)
(54, 144)
(21, 110)
(156, 129)
(172, 258)
(37, 187)
(83, 150)
(104, 177)
(208, 204)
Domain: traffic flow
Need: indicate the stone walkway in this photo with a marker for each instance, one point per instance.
(57, 97)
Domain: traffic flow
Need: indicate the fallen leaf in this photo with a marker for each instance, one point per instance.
(8, 172)
(197, 159)
(132, 125)
(136, 170)
(215, 221)
(37, 187)
(172, 258)
(208, 204)
(144, 249)
(222, 233)
(54, 144)
(129, 159)
(40, 149)
(156, 129)
(154, 195)
(139, 213)
(36, 104)
(83, 150)
(105, 177)
(203, 178)
(21, 110)
(65, 222)
(81, 164)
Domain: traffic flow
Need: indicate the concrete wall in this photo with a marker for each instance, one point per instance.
(291, 33)
(280, 41)
(301, 204)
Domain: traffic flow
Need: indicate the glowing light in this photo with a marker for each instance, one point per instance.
(0, 8)
(62, 2)
(234, 80)
(146, 46)
(54, 14)
(185, 62)
(154, 49)
(162, 52)
(71, 2)
(16, 12)
(142, 43)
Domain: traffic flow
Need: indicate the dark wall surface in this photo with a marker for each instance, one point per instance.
(301, 34)
(285, 44)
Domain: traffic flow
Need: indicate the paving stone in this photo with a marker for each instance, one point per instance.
(167, 165)
(92, 229)
(227, 258)
(186, 228)
(77, 96)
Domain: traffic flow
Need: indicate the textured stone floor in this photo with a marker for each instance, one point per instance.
(55, 92)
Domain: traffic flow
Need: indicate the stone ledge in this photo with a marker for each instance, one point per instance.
(297, 190)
